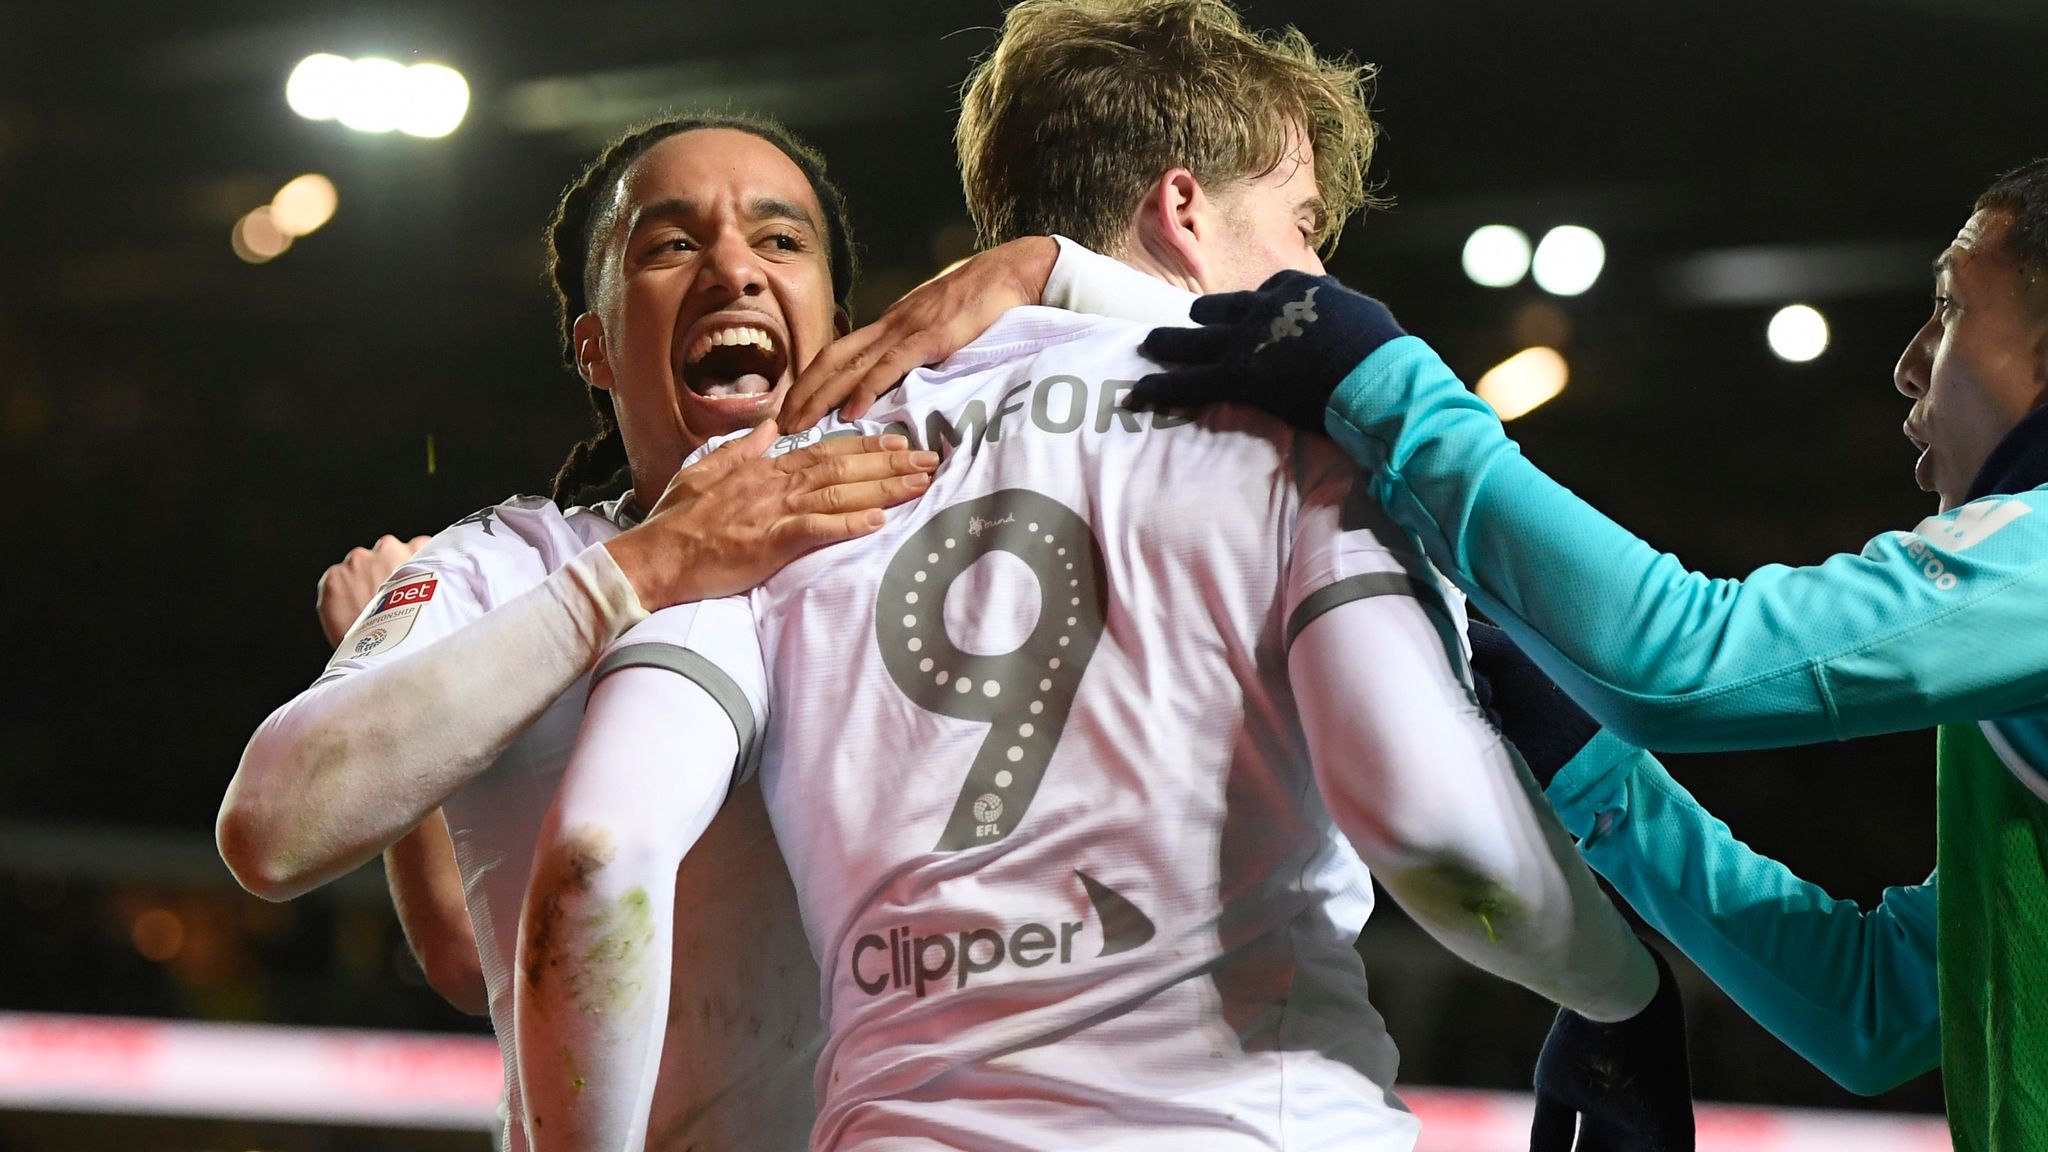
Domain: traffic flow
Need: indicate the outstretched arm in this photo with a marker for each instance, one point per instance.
(1667, 657)
(1851, 990)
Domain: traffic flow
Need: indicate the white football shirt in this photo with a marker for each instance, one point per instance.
(743, 1022)
(1036, 766)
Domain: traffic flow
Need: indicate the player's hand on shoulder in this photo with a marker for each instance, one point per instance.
(348, 585)
(1283, 348)
(1620, 1087)
(935, 320)
(734, 518)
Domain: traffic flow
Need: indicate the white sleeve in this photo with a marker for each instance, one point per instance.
(664, 732)
(1446, 816)
(425, 694)
(1083, 280)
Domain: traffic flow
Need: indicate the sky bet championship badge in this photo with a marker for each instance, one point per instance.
(390, 619)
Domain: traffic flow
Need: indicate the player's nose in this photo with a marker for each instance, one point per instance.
(1910, 376)
(733, 267)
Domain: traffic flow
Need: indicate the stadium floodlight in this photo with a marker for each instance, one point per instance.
(304, 204)
(376, 95)
(436, 97)
(315, 87)
(1569, 260)
(1524, 382)
(1798, 333)
(1497, 256)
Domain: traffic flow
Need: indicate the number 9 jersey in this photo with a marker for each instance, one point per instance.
(1036, 766)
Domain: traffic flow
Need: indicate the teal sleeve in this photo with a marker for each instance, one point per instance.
(1852, 991)
(1914, 631)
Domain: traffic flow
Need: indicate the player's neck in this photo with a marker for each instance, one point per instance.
(1159, 266)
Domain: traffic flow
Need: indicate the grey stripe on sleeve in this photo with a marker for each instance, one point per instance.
(694, 667)
(1361, 587)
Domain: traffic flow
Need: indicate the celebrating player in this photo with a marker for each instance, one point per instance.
(462, 685)
(1933, 625)
(1075, 818)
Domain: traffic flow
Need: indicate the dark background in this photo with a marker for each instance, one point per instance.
(188, 440)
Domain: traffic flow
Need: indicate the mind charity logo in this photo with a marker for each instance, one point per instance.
(918, 962)
(1292, 316)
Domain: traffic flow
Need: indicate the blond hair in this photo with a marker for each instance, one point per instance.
(1083, 104)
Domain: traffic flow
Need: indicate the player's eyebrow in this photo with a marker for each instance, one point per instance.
(773, 208)
(758, 209)
(672, 208)
(1945, 262)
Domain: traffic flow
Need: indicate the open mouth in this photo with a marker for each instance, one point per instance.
(735, 361)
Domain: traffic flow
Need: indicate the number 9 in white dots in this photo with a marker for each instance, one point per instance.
(1025, 695)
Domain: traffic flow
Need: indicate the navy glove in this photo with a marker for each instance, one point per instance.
(1283, 348)
(1624, 1087)
(1536, 716)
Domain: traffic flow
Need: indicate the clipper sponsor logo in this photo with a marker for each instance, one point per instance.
(417, 590)
(904, 958)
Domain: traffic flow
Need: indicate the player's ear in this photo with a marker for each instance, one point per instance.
(592, 363)
(842, 321)
(1171, 226)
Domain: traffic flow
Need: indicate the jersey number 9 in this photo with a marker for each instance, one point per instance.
(1023, 696)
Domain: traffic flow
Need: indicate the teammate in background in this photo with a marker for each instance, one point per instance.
(462, 685)
(1051, 753)
(1934, 625)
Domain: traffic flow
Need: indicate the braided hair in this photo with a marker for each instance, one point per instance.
(596, 468)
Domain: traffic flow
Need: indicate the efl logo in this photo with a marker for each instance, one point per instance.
(417, 591)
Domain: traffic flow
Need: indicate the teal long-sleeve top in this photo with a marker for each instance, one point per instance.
(1851, 990)
(1931, 625)
(1937, 624)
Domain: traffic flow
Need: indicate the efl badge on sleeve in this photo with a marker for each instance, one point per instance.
(391, 620)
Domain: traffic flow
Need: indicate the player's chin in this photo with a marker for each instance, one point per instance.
(717, 415)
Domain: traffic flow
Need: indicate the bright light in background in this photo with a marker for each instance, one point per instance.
(315, 88)
(436, 96)
(257, 239)
(378, 95)
(303, 205)
(1569, 260)
(1798, 333)
(1497, 256)
(1524, 382)
(373, 98)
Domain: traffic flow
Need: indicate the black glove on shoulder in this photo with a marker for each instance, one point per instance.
(1283, 348)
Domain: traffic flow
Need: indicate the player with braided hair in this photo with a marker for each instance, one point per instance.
(578, 219)
(699, 264)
